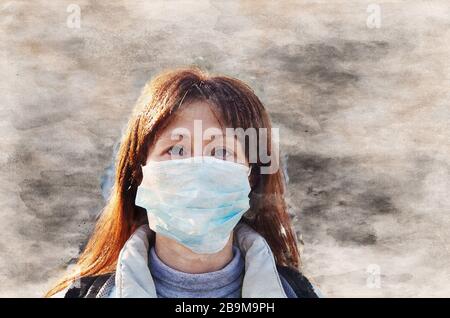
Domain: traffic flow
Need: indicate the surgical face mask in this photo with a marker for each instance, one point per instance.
(196, 201)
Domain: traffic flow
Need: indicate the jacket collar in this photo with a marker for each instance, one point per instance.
(261, 279)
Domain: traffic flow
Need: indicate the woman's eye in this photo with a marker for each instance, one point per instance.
(176, 151)
(221, 153)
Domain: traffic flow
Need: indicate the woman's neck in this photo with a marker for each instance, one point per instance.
(180, 258)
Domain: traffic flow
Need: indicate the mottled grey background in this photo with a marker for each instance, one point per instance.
(364, 117)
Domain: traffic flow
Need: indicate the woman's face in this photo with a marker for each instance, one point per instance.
(195, 130)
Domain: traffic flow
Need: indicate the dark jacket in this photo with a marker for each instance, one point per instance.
(264, 279)
(90, 287)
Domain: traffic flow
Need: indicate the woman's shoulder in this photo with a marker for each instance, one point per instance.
(91, 286)
(301, 286)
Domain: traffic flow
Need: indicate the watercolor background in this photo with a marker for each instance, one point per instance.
(364, 116)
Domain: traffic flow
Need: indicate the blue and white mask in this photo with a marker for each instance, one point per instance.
(196, 201)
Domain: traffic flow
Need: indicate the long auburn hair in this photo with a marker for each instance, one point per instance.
(238, 107)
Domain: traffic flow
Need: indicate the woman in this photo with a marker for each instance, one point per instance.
(190, 217)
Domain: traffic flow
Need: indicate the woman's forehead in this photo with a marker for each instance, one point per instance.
(194, 116)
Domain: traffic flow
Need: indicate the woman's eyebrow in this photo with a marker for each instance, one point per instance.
(167, 140)
(213, 137)
(225, 141)
(177, 136)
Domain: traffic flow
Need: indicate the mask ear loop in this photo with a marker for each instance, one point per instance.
(249, 171)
